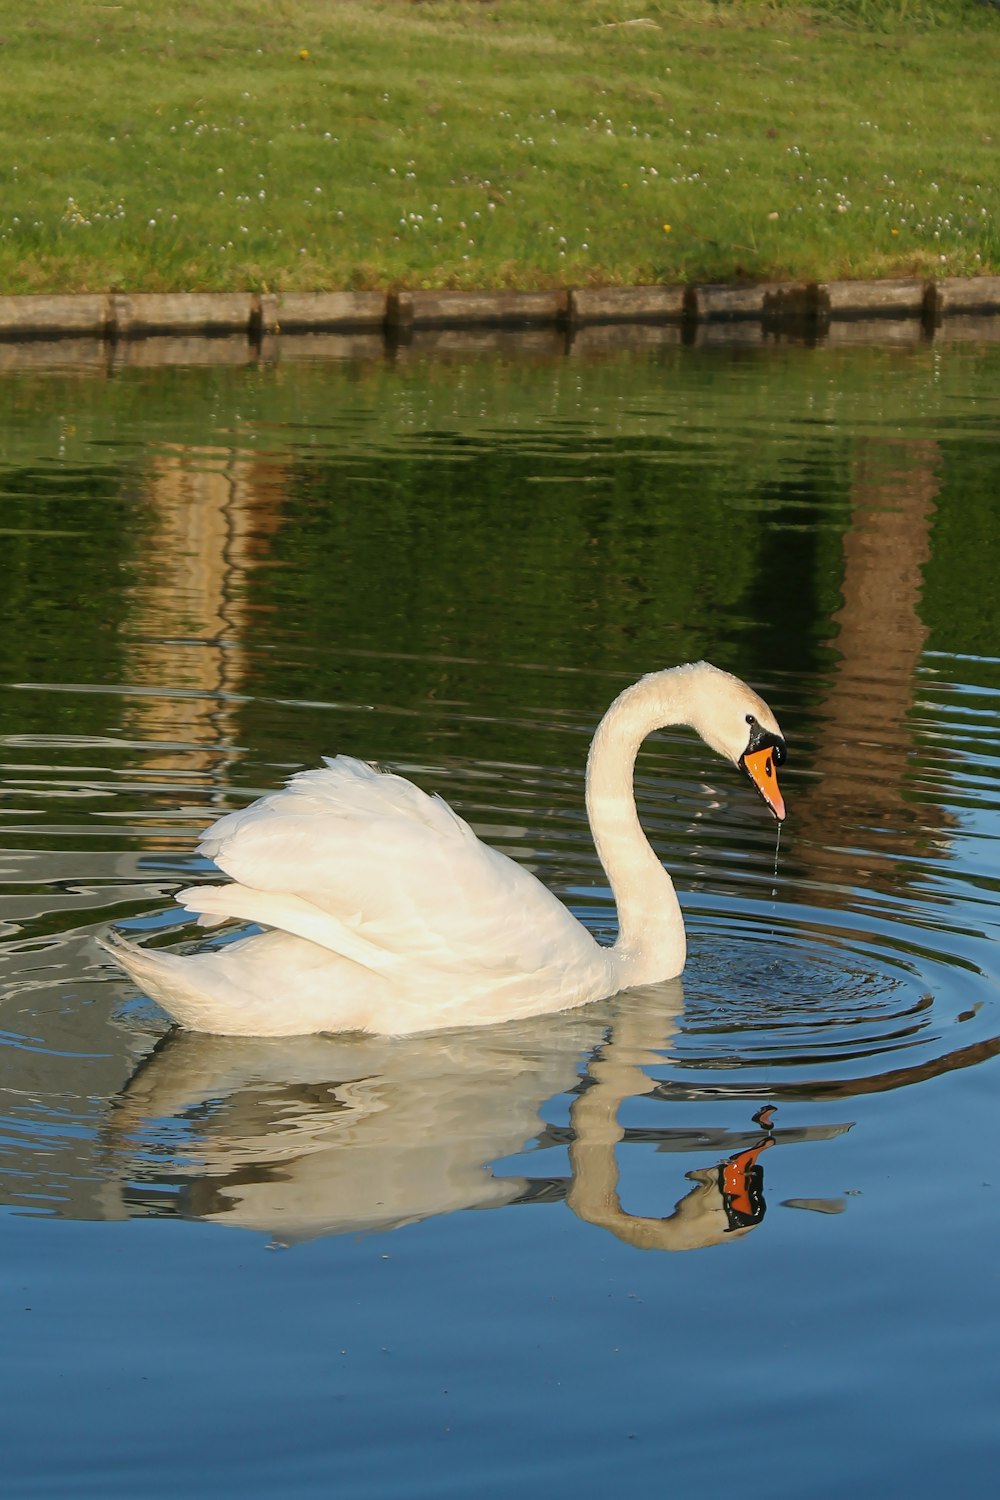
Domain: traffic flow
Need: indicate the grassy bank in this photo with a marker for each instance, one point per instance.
(283, 144)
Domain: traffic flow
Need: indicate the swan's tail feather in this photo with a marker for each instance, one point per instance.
(171, 979)
(158, 974)
(239, 989)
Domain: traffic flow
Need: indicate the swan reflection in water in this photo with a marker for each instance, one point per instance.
(309, 1136)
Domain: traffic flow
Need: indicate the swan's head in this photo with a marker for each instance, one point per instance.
(737, 723)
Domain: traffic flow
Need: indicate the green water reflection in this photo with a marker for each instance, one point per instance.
(606, 516)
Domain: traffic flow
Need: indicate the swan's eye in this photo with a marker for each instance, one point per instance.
(761, 739)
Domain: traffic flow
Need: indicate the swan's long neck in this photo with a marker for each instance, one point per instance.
(651, 943)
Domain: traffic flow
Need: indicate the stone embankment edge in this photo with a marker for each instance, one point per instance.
(798, 306)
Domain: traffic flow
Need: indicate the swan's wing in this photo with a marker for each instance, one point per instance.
(366, 864)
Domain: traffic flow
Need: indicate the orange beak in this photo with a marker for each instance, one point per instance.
(760, 767)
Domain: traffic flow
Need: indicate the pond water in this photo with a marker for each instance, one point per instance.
(741, 1228)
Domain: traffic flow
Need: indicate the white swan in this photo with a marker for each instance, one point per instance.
(385, 913)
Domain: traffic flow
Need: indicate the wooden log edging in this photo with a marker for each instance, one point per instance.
(406, 310)
(137, 314)
(41, 316)
(319, 312)
(627, 304)
(974, 294)
(395, 315)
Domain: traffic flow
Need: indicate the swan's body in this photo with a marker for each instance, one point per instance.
(385, 913)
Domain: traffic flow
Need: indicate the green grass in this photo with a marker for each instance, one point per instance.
(310, 144)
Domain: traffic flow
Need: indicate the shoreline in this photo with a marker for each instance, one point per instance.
(107, 332)
(785, 306)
